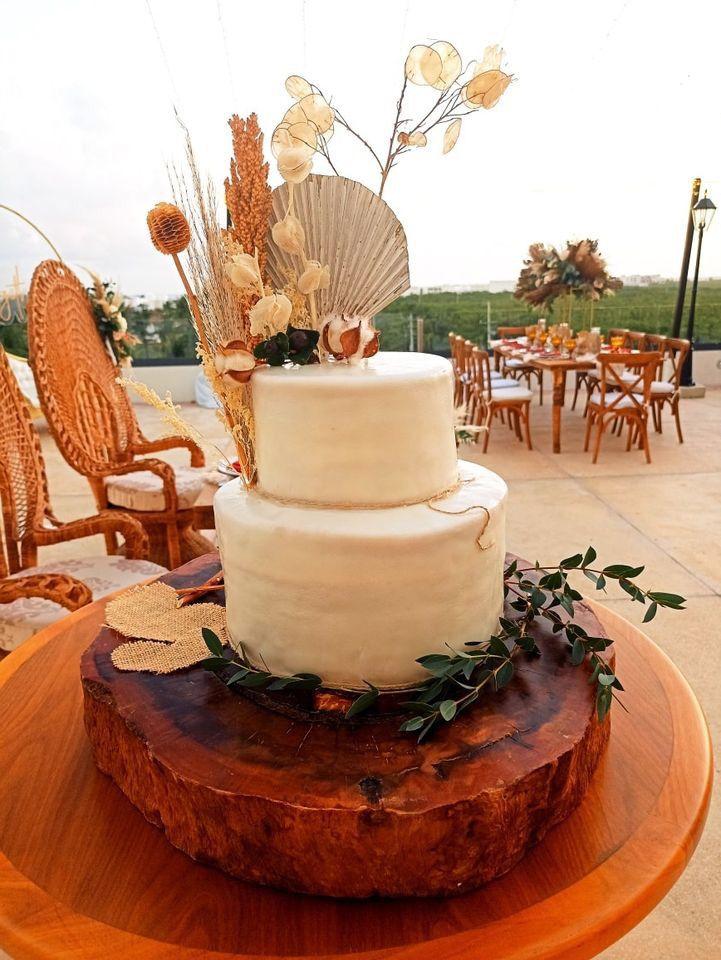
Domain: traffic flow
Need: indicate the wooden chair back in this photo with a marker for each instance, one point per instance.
(456, 345)
(655, 341)
(23, 484)
(675, 351)
(635, 340)
(89, 414)
(479, 370)
(615, 388)
(511, 332)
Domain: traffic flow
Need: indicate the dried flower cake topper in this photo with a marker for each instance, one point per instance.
(297, 275)
(308, 125)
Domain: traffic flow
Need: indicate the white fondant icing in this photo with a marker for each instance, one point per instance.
(377, 432)
(356, 595)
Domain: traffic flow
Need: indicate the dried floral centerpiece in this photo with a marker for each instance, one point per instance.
(579, 272)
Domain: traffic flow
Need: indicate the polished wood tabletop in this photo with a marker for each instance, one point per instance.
(84, 877)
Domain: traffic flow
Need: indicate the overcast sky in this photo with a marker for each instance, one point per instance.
(614, 110)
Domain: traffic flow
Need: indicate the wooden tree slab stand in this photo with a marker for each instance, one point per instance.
(353, 809)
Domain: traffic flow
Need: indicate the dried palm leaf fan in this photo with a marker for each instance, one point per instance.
(354, 232)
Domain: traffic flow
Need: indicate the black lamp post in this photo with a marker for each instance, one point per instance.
(703, 212)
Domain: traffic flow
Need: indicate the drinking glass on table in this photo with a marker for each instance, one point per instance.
(570, 345)
(617, 343)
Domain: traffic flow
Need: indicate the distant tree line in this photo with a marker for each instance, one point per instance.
(166, 332)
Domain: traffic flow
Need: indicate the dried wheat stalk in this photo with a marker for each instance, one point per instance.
(221, 307)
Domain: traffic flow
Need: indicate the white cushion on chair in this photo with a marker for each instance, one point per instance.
(628, 375)
(144, 490)
(514, 362)
(517, 393)
(506, 383)
(623, 404)
(659, 388)
(22, 618)
(496, 375)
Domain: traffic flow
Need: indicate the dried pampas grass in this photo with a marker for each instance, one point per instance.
(222, 309)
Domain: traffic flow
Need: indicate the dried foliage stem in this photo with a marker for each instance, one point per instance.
(386, 169)
(193, 304)
(344, 123)
(223, 313)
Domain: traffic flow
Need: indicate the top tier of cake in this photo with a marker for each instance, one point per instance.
(378, 433)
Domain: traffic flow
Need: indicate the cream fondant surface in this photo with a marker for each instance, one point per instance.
(377, 432)
(358, 595)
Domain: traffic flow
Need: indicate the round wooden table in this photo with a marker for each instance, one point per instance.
(84, 876)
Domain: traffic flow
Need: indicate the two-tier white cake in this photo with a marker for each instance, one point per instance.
(366, 543)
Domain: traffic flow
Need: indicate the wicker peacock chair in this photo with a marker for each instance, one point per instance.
(95, 427)
(37, 597)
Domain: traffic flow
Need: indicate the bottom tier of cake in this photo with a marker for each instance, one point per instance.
(357, 596)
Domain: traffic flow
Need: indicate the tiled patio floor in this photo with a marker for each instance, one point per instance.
(666, 516)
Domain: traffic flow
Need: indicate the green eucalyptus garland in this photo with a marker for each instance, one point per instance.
(457, 679)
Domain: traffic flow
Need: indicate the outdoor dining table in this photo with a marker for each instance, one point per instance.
(559, 367)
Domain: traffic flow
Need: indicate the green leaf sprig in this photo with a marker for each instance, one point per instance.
(245, 674)
(458, 679)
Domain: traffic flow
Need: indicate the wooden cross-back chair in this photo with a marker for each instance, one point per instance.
(457, 360)
(632, 340)
(635, 339)
(518, 369)
(488, 401)
(94, 424)
(624, 395)
(666, 385)
(27, 521)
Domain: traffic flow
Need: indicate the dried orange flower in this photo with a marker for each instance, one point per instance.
(247, 193)
(169, 230)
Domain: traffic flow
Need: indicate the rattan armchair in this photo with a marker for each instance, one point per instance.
(94, 424)
(41, 594)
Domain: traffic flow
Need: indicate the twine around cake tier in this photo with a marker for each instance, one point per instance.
(430, 502)
(333, 505)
